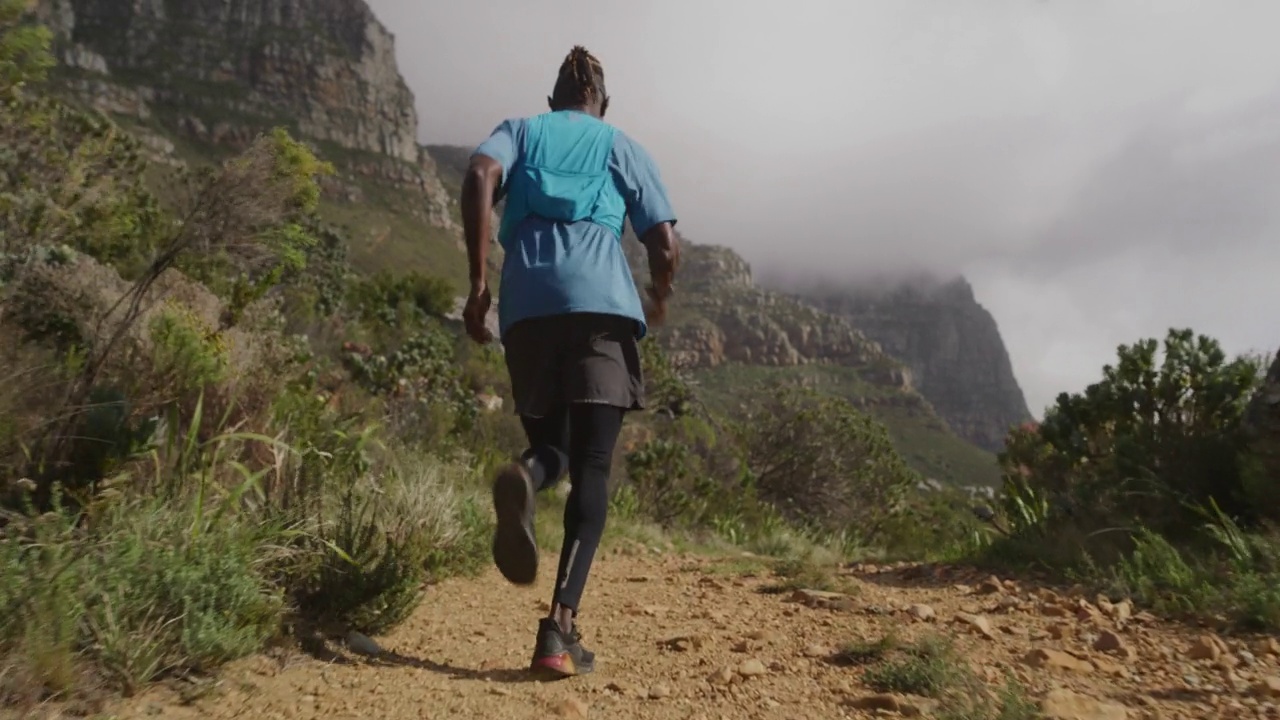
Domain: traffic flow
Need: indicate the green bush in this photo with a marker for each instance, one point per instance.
(150, 588)
(1141, 484)
(385, 533)
(196, 474)
(387, 298)
(1147, 446)
(820, 460)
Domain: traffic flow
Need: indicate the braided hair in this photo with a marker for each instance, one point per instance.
(580, 81)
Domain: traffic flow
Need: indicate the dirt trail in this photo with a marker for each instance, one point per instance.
(745, 654)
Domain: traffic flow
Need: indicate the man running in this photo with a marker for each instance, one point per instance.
(569, 319)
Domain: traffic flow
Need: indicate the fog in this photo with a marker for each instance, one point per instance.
(1100, 170)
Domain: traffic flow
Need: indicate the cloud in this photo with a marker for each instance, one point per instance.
(1101, 171)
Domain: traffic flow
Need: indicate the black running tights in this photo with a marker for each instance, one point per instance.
(578, 439)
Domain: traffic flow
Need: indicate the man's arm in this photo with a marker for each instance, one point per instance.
(664, 257)
(479, 188)
(650, 212)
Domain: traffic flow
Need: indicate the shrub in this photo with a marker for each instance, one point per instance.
(384, 534)
(151, 588)
(1146, 446)
(817, 458)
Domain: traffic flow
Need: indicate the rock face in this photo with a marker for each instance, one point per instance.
(221, 71)
(723, 316)
(951, 344)
(1262, 425)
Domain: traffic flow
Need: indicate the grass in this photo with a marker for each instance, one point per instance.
(931, 667)
(384, 238)
(814, 569)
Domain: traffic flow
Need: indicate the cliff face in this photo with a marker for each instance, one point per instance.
(720, 315)
(221, 71)
(951, 343)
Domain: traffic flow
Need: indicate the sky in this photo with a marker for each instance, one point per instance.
(1100, 170)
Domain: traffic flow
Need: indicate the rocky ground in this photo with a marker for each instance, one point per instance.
(684, 636)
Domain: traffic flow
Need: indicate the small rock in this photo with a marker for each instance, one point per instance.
(905, 706)
(1121, 611)
(1269, 646)
(1054, 611)
(923, 613)
(977, 622)
(816, 651)
(723, 676)
(1205, 647)
(1268, 687)
(990, 586)
(571, 707)
(751, 668)
(1061, 630)
(1045, 658)
(875, 702)
(684, 643)
(362, 644)
(764, 636)
(657, 692)
(1062, 704)
(1108, 642)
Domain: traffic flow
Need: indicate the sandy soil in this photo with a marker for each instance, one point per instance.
(683, 636)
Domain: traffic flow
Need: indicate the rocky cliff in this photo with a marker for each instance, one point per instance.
(220, 71)
(722, 316)
(949, 341)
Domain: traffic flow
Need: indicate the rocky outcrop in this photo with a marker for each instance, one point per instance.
(951, 343)
(721, 316)
(222, 71)
(1262, 428)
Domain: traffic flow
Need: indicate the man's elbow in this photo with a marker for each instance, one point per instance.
(481, 178)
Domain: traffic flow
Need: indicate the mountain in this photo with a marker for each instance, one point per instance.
(197, 79)
(951, 343)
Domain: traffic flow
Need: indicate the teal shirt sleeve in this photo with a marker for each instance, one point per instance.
(503, 145)
(641, 185)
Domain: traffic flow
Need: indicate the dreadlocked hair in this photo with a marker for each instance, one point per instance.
(581, 75)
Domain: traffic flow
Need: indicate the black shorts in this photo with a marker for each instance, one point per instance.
(573, 358)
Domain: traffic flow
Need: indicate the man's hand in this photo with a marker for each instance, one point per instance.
(475, 313)
(655, 309)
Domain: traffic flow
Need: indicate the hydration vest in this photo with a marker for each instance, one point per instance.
(562, 174)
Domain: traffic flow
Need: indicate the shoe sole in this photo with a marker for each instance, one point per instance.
(558, 667)
(515, 551)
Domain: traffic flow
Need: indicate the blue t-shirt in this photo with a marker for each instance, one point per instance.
(572, 166)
